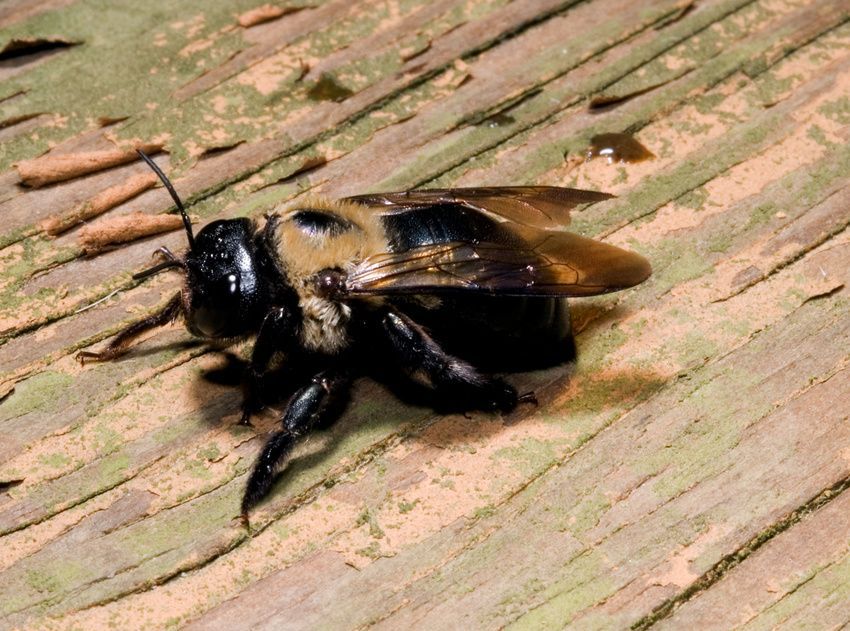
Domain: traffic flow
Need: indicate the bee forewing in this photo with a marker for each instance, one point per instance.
(600, 267)
(553, 264)
(545, 207)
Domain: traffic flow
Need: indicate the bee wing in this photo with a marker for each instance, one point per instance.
(547, 264)
(545, 207)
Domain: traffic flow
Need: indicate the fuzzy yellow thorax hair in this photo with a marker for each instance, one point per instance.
(325, 322)
(303, 255)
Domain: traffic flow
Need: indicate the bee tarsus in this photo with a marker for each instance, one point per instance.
(123, 339)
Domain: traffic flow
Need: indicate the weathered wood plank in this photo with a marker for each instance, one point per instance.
(771, 585)
(697, 447)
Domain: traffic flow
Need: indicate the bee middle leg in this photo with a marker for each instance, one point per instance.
(274, 336)
(426, 362)
(303, 412)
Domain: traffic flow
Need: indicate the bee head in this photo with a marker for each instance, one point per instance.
(225, 293)
(230, 279)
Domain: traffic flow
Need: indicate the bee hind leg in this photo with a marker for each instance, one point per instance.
(122, 341)
(304, 410)
(427, 363)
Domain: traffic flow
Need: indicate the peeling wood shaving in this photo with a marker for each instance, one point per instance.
(5, 485)
(57, 168)
(15, 120)
(676, 15)
(99, 204)
(412, 52)
(20, 46)
(308, 166)
(411, 70)
(13, 95)
(264, 13)
(106, 121)
(825, 292)
(113, 231)
(454, 76)
(208, 152)
(609, 99)
(311, 163)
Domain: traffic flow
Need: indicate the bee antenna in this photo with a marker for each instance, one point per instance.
(157, 268)
(187, 223)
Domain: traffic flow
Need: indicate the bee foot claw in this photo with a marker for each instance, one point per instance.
(248, 410)
(246, 523)
(84, 356)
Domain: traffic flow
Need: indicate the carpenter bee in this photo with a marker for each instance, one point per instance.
(422, 281)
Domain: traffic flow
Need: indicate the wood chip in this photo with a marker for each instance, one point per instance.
(124, 229)
(100, 203)
(57, 168)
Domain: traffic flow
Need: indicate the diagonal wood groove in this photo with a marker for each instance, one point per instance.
(722, 567)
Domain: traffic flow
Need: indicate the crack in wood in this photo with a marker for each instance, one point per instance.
(722, 567)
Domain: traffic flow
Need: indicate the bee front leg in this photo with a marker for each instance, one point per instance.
(456, 380)
(303, 412)
(121, 342)
(277, 333)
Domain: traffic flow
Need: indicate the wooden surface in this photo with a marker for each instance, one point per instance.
(689, 470)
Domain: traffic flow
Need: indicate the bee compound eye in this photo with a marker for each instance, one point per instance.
(209, 322)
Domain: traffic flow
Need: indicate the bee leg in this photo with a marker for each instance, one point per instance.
(303, 411)
(121, 342)
(276, 329)
(426, 362)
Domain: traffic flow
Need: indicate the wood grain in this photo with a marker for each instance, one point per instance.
(690, 470)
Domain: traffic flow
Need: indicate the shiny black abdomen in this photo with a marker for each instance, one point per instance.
(443, 223)
(498, 332)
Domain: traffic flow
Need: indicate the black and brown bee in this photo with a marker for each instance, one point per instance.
(428, 284)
